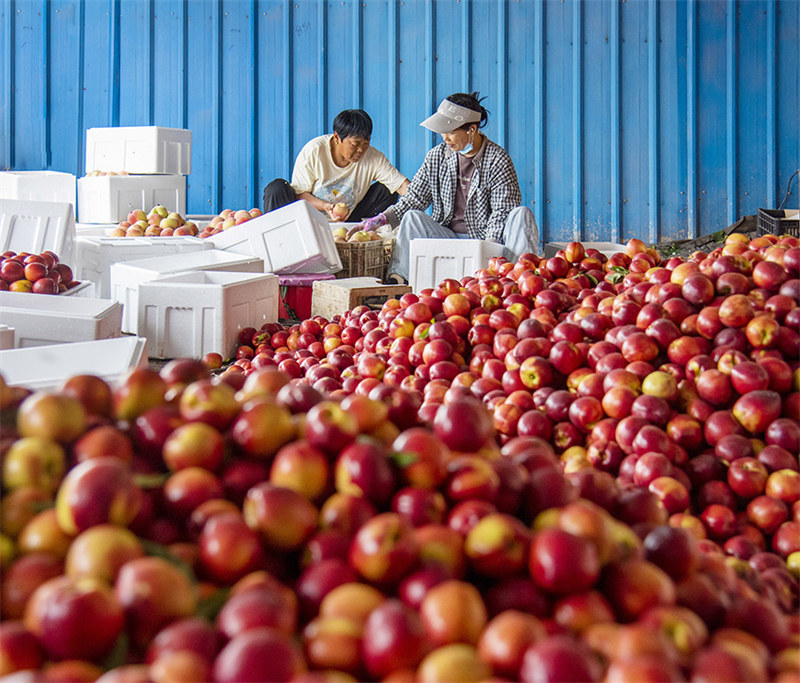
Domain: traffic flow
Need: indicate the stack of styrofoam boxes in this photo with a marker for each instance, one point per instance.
(434, 260)
(293, 239)
(126, 278)
(155, 162)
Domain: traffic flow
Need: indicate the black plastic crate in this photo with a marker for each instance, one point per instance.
(774, 222)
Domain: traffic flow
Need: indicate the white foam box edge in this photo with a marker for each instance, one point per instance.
(125, 278)
(110, 198)
(607, 248)
(39, 320)
(94, 255)
(38, 226)
(139, 149)
(6, 337)
(434, 260)
(38, 186)
(293, 239)
(191, 314)
(47, 367)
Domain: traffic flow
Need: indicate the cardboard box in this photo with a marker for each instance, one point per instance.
(94, 255)
(127, 277)
(434, 260)
(334, 297)
(110, 198)
(46, 367)
(39, 320)
(38, 186)
(38, 226)
(6, 337)
(139, 149)
(293, 239)
(607, 248)
(191, 314)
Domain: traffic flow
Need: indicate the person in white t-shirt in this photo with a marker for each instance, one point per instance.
(341, 168)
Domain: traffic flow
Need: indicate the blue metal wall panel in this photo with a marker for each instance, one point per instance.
(647, 118)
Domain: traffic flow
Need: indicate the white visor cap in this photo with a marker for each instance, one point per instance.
(450, 116)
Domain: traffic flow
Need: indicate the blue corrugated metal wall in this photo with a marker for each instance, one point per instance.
(647, 118)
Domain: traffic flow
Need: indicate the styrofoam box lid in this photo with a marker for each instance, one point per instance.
(304, 279)
(208, 278)
(46, 186)
(139, 149)
(38, 226)
(193, 260)
(85, 289)
(293, 239)
(66, 306)
(94, 229)
(45, 367)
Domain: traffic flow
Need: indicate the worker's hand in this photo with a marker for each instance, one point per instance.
(338, 212)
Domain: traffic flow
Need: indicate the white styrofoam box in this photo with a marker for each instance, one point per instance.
(293, 239)
(6, 338)
(38, 186)
(126, 277)
(94, 229)
(139, 149)
(84, 290)
(94, 255)
(607, 248)
(110, 198)
(39, 319)
(433, 260)
(46, 367)
(38, 226)
(191, 314)
(200, 220)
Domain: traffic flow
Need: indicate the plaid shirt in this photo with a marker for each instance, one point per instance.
(493, 193)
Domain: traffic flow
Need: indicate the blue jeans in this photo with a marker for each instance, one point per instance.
(520, 235)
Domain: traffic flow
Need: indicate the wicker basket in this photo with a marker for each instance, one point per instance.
(365, 259)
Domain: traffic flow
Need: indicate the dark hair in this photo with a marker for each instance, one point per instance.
(471, 101)
(354, 123)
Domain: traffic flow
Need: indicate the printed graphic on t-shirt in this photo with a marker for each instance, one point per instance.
(336, 191)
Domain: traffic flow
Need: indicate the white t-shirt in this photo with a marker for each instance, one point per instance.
(316, 173)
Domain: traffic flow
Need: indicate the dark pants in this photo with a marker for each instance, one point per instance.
(279, 193)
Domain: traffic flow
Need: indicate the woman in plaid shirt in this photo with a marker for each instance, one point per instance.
(471, 184)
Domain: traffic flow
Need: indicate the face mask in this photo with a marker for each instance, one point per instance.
(468, 148)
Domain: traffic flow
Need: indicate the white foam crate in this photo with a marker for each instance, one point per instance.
(38, 186)
(6, 338)
(110, 198)
(84, 290)
(607, 248)
(46, 367)
(94, 255)
(94, 229)
(38, 319)
(126, 277)
(38, 226)
(293, 239)
(139, 149)
(434, 260)
(191, 314)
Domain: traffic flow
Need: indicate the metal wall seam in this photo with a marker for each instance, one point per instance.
(770, 96)
(393, 69)
(151, 76)
(8, 117)
(81, 160)
(731, 114)
(216, 81)
(502, 72)
(185, 58)
(466, 63)
(113, 76)
(691, 118)
(46, 154)
(577, 120)
(538, 118)
(287, 79)
(616, 147)
(430, 72)
(652, 115)
(255, 189)
(322, 65)
(358, 30)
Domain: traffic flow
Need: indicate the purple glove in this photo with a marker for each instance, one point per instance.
(375, 222)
